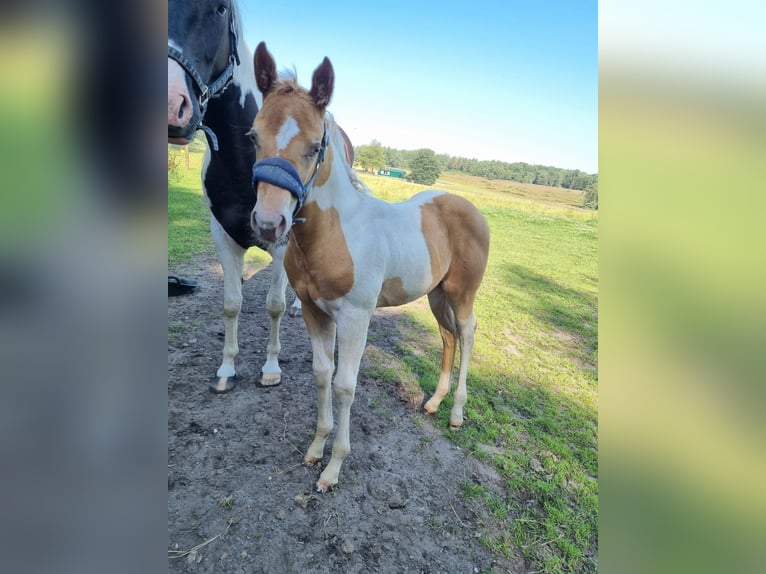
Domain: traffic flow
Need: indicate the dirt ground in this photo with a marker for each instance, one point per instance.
(235, 479)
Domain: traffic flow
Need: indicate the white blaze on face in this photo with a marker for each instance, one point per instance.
(287, 132)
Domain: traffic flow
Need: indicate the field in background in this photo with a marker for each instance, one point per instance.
(527, 192)
(533, 382)
(532, 386)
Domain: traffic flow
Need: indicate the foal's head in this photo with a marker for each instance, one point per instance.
(290, 141)
(202, 50)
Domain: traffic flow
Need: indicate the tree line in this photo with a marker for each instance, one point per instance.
(374, 156)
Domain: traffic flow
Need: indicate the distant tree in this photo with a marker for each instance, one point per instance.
(394, 157)
(373, 156)
(590, 199)
(424, 167)
(370, 157)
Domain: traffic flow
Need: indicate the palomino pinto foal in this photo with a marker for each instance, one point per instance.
(349, 253)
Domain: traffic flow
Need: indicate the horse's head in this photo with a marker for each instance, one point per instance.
(290, 140)
(202, 53)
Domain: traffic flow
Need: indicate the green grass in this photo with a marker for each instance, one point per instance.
(532, 385)
(188, 214)
(533, 380)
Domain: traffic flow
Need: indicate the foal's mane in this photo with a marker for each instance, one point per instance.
(287, 84)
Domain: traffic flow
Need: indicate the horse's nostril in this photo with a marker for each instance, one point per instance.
(183, 107)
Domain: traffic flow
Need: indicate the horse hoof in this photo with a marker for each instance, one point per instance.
(429, 409)
(424, 404)
(223, 384)
(270, 379)
(455, 426)
(323, 486)
(312, 460)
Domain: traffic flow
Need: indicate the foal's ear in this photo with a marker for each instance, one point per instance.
(265, 69)
(321, 84)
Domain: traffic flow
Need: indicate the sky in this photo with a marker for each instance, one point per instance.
(509, 81)
(719, 43)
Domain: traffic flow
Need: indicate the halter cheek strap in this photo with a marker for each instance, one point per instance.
(280, 172)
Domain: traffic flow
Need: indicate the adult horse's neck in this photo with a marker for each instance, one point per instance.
(227, 175)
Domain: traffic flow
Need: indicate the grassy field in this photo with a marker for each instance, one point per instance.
(533, 381)
(188, 215)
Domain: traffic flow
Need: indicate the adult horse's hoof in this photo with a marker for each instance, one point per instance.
(223, 384)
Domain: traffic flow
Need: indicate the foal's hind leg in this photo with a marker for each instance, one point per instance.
(232, 259)
(452, 326)
(465, 329)
(446, 319)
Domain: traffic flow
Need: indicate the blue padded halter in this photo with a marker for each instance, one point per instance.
(280, 172)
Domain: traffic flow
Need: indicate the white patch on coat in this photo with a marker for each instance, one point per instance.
(287, 132)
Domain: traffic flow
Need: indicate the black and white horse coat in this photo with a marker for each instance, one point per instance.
(211, 86)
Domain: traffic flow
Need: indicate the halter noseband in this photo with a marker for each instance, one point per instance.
(215, 88)
(280, 172)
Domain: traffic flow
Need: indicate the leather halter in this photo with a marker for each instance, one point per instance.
(280, 172)
(215, 88)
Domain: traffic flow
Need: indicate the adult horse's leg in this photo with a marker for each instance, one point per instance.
(271, 374)
(352, 338)
(232, 259)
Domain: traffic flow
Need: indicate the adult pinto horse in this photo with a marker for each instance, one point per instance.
(349, 253)
(211, 87)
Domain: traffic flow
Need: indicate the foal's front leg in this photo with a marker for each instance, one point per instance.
(352, 339)
(271, 374)
(321, 330)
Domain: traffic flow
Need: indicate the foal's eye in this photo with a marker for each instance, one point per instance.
(221, 10)
(314, 150)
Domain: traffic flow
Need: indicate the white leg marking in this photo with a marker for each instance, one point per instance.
(232, 258)
(466, 331)
(322, 333)
(446, 319)
(352, 338)
(271, 374)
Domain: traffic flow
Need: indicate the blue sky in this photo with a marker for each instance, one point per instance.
(511, 81)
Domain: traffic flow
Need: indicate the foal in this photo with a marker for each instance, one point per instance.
(349, 253)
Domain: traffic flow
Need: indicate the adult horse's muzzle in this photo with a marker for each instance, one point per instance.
(184, 114)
